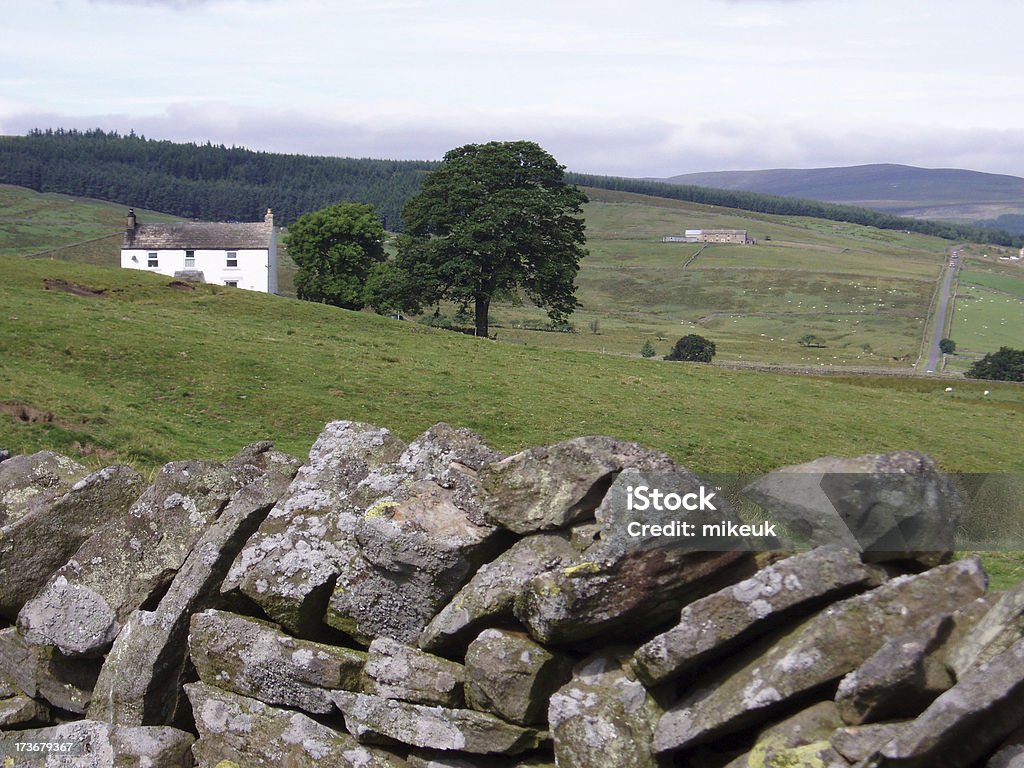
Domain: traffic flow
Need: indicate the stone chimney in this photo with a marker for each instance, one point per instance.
(269, 217)
(131, 220)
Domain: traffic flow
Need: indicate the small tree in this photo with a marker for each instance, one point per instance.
(1005, 365)
(692, 348)
(947, 346)
(334, 249)
(647, 350)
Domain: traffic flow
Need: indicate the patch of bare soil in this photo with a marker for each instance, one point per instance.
(180, 285)
(91, 449)
(56, 284)
(30, 414)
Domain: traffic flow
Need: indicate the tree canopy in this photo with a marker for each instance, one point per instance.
(335, 250)
(692, 348)
(1005, 365)
(491, 220)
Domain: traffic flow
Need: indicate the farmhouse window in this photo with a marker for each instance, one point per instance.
(152, 260)
(231, 283)
(232, 258)
(190, 259)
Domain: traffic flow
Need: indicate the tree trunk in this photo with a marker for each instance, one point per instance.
(483, 305)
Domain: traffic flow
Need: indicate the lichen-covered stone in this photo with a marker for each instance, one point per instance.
(369, 718)
(901, 678)
(513, 677)
(615, 594)
(426, 759)
(252, 734)
(603, 716)
(255, 659)
(43, 672)
(37, 543)
(711, 626)
(896, 504)
(420, 536)
(491, 594)
(967, 722)
(771, 751)
(1000, 627)
(152, 746)
(859, 742)
(397, 671)
(554, 486)
(82, 607)
(29, 483)
(415, 550)
(822, 649)
(799, 741)
(290, 565)
(141, 676)
(101, 745)
(19, 711)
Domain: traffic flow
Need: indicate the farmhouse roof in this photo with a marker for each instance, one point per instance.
(199, 235)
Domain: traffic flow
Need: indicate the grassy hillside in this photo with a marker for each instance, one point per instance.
(138, 370)
(865, 291)
(63, 227)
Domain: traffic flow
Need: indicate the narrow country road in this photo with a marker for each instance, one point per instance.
(934, 354)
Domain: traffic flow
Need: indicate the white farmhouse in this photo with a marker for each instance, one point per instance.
(238, 255)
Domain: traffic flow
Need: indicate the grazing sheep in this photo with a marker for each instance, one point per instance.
(949, 389)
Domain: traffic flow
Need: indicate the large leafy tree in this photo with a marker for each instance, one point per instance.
(493, 219)
(335, 250)
(692, 348)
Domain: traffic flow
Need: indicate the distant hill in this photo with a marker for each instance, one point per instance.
(949, 194)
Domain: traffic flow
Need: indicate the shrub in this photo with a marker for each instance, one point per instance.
(692, 348)
(947, 346)
(647, 350)
(810, 340)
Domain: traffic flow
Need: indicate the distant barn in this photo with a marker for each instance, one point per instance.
(735, 236)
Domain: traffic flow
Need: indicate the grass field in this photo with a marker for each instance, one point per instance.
(989, 309)
(63, 227)
(146, 373)
(865, 291)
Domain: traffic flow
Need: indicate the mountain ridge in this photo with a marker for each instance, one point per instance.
(951, 194)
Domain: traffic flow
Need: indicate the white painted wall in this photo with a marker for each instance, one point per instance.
(256, 270)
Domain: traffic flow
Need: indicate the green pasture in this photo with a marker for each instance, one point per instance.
(146, 373)
(865, 292)
(1004, 283)
(63, 227)
(985, 320)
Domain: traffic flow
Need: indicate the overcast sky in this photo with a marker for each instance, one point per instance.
(625, 87)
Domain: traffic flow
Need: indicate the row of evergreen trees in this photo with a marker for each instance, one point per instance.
(218, 183)
(207, 181)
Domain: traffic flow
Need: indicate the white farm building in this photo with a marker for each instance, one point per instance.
(239, 255)
(737, 236)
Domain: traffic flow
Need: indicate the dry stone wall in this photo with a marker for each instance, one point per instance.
(438, 605)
